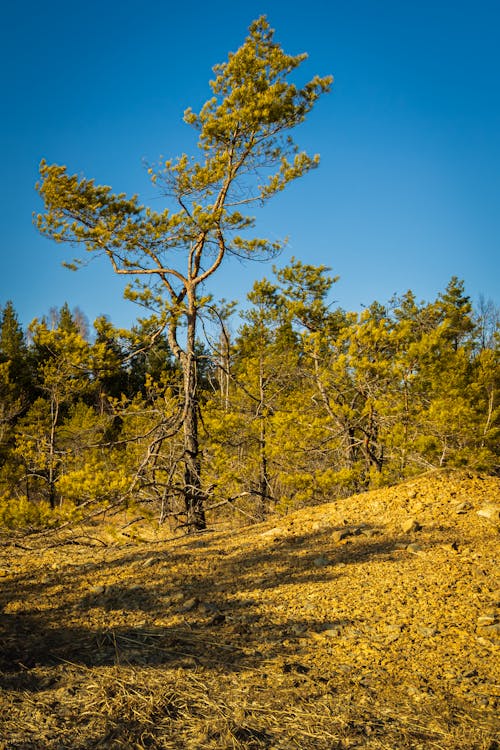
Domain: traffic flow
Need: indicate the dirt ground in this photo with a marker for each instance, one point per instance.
(371, 622)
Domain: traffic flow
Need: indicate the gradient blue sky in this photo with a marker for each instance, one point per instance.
(408, 191)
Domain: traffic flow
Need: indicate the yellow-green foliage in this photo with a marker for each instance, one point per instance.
(20, 513)
(94, 481)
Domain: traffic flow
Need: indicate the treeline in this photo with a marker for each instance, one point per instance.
(300, 404)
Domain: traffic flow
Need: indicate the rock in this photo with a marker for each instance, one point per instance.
(410, 525)
(298, 629)
(189, 604)
(149, 562)
(276, 532)
(491, 631)
(484, 642)
(369, 533)
(97, 590)
(490, 512)
(321, 562)
(337, 536)
(484, 620)
(318, 526)
(178, 596)
(415, 548)
(427, 632)
(332, 632)
(462, 508)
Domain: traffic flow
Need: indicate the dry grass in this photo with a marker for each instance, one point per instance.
(275, 636)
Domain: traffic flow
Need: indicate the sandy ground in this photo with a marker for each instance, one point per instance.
(371, 622)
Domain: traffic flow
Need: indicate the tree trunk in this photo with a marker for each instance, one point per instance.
(51, 470)
(263, 487)
(193, 492)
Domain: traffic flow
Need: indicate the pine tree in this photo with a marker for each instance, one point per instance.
(246, 156)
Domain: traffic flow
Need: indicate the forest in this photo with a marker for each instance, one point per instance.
(299, 404)
(213, 406)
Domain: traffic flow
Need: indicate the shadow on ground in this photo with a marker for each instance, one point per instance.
(217, 624)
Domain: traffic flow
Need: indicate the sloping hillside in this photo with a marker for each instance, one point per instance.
(371, 622)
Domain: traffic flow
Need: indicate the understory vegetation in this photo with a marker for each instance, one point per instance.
(205, 407)
(300, 404)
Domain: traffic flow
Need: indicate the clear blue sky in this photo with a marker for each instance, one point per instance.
(408, 191)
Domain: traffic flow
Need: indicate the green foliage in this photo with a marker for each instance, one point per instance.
(19, 514)
(245, 156)
(306, 403)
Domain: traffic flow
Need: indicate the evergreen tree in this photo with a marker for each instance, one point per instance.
(13, 349)
(63, 363)
(245, 149)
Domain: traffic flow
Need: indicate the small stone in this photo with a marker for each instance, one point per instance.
(188, 605)
(492, 631)
(178, 596)
(369, 532)
(410, 525)
(427, 632)
(149, 562)
(315, 635)
(337, 536)
(275, 532)
(415, 548)
(462, 508)
(97, 590)
(332, 632)
(321, 562)
(490, 512)
(485, 620)
(297, 629)
(484, 642)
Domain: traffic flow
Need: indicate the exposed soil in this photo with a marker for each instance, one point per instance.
(371, 622)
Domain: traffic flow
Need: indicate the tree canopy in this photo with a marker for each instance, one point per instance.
(245, 156)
